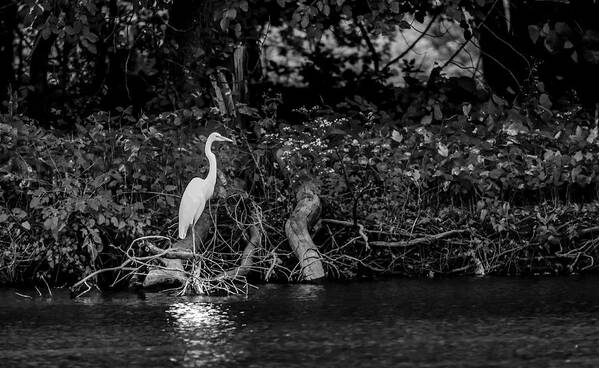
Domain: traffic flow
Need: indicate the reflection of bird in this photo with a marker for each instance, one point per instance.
(198, 192)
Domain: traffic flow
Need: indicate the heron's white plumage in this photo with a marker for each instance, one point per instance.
(192, 205)
(198, 191)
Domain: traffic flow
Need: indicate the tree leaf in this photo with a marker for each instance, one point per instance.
(533, 33)
(466, 108)
(426, 119)
(592, 135)
(442, 149)
(545, 101)
(396, 136)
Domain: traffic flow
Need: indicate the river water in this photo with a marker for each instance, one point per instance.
(464, 322)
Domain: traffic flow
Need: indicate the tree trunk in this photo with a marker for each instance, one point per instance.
(38, 102)
(189, 37)
(106, 48)
(305, 214)
(8, 22)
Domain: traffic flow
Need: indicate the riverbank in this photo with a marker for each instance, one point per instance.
(416, 201)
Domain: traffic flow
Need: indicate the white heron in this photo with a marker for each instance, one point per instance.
(198, 192)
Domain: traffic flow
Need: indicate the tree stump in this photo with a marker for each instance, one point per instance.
(305, 214)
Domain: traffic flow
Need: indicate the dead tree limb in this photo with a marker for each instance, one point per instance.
(305, 213)
(417, 241)
(254, 241)
(361, 229)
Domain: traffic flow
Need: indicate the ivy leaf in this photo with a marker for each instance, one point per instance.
(26, 225)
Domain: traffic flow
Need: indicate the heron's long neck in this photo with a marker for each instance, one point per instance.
(211, 178)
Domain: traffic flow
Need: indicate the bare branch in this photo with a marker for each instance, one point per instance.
(417, 241)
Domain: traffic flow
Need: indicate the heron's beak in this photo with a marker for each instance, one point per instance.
(227, 140)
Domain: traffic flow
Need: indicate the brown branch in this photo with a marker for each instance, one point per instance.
(417, 241)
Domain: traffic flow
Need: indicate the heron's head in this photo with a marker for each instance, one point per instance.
(217, 137)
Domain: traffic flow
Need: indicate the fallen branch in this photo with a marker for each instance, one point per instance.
(417, 241)
(170, 253)
(361, 229)
(589, 230)
(122, 267)
(245, 266)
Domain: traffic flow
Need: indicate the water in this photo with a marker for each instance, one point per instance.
(493, 322)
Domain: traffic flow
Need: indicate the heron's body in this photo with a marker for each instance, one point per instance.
(198, 191)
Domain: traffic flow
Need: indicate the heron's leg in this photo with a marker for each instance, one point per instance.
(193, 240)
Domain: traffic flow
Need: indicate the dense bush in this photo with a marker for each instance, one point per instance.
(520, 180)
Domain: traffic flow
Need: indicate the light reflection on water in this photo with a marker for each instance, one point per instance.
(207, 331)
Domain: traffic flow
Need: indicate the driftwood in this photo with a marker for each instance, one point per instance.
(304, 215)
